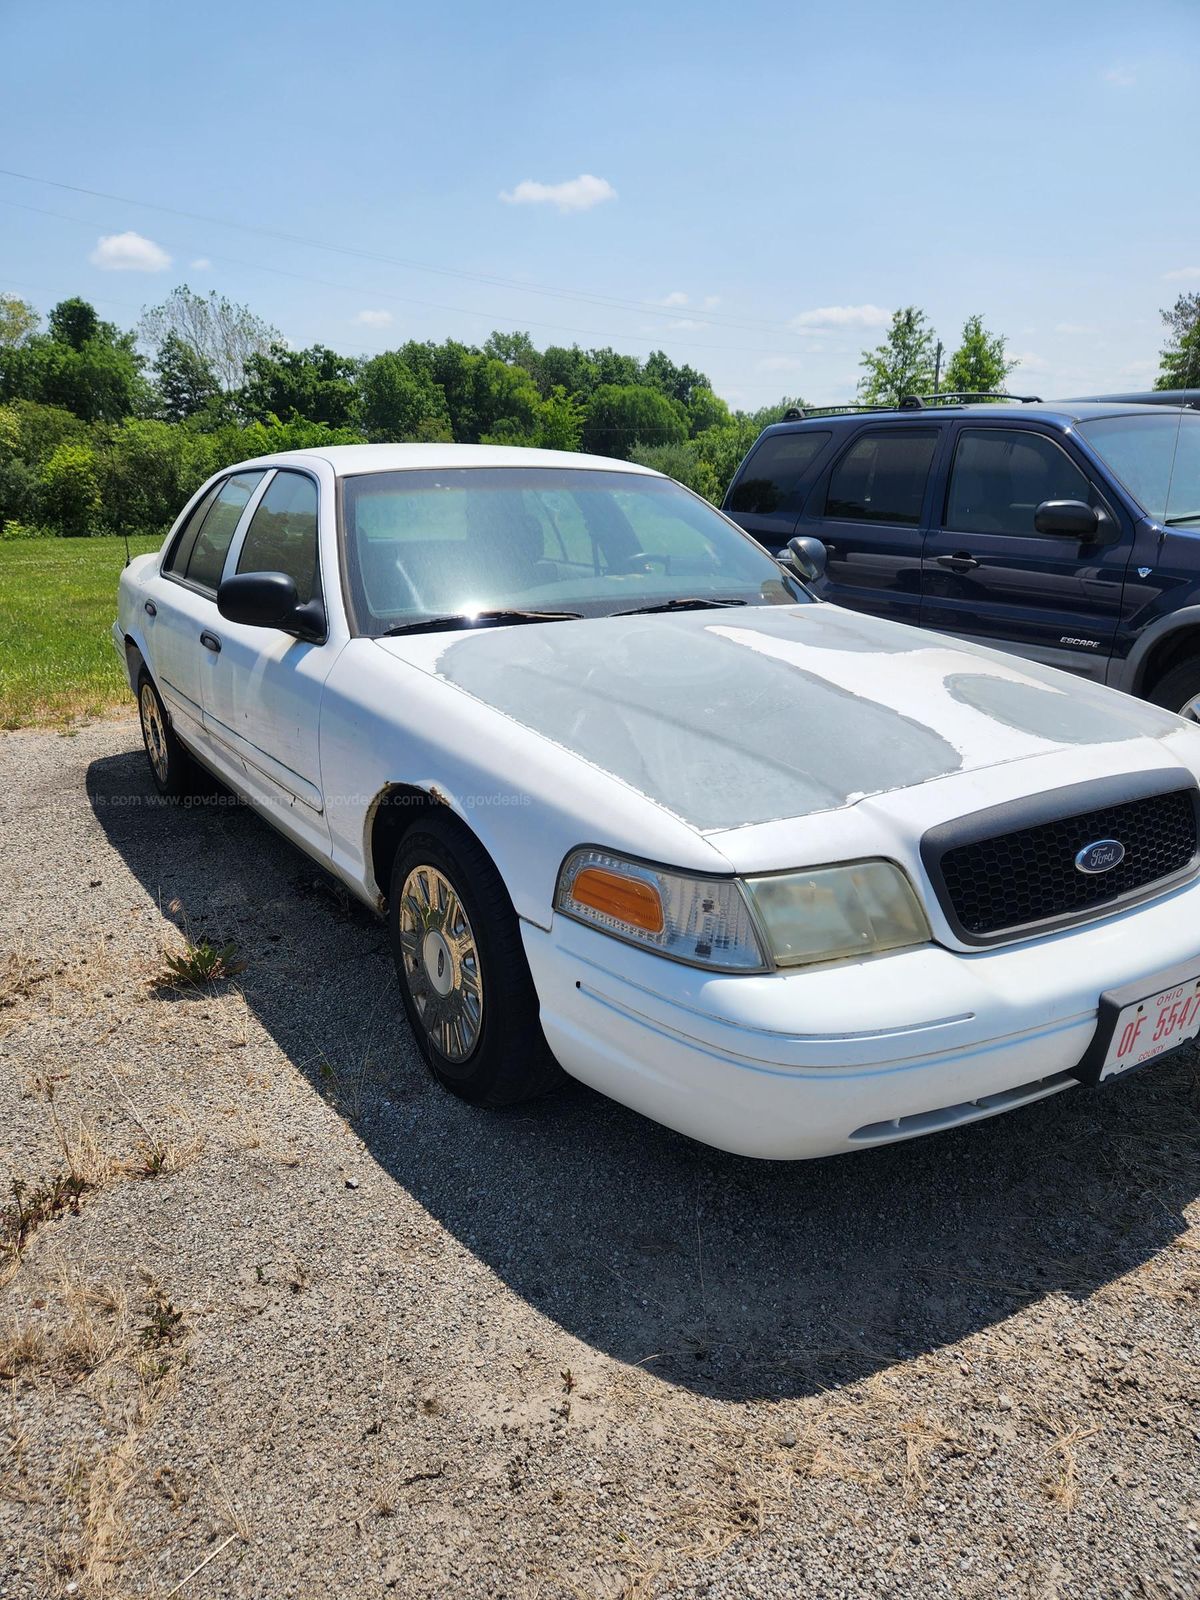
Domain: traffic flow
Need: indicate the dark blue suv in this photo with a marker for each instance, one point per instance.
(1068, 533)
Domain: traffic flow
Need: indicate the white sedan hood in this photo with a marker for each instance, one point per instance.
(738, 717)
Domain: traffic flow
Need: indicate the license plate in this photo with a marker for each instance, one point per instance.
(1136, 1028)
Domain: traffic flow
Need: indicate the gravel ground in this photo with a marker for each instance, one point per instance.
(310, 1327)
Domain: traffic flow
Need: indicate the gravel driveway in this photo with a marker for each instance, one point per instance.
(297, 1324)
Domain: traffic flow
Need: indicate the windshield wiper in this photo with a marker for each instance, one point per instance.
(684, 603)
(1173, 522)
(477, 619)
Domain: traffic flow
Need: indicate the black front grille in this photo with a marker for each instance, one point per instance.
(1014, 880)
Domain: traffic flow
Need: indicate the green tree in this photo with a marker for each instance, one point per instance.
(560, 421)
(570, 369)
(223, 334)
(903, 364)
(1180, 361)
(979, 365)
(514, 349)
(100, 381)
(70, 490)
(624, 415)
(317, 384)
(74, 322)
(18, 320)
(705, 410)
(677, 383)
(683, 462)
(396, 402)
(186, 383)
(506, 401)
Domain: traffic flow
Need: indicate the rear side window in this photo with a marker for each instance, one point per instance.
(181, 550)
(1001, 476)
(882, 477)
(282, 536)
(217, 530)
(776, 470)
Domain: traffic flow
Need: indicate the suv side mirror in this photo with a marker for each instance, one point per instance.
(807, 557)
(269, 600)
(1067, 519)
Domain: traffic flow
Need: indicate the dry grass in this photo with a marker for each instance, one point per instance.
(1062, 1485)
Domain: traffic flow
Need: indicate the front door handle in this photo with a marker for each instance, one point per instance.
(961, 561)
(210, 641)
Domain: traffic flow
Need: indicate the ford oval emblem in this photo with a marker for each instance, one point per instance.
(1102, 855)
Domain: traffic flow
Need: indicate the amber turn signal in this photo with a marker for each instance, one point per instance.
(627, 900)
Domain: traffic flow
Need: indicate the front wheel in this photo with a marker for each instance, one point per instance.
(171, 766)
(464, 979)
(1179, 690)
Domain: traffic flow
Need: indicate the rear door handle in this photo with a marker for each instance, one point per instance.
(150, 608)
(959, 562)
(210, 641)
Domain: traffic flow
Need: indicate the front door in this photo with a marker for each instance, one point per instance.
(262, 694)
(989, 576)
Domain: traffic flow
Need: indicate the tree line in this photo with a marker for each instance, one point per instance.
(105, 429)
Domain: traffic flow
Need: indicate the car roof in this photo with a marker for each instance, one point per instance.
(1062, 413)
(349, 460)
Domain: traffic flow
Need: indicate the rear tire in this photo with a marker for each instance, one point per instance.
(1179, 690)
(464, 979)
(171, 767)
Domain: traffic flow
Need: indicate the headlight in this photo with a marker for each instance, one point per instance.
(705, 922)
(832, 912)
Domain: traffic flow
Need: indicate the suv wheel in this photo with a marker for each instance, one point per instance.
(1179, 690)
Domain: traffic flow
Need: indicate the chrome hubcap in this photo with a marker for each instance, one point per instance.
(154, 733)
(1192, 709)
(441, 962)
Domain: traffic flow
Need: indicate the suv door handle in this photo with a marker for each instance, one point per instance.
(961, 561)
(210, 641)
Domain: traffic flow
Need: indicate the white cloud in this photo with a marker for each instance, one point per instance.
(1073, 327)
(866, 316)
(374, 319)
(1182, 275)
(575, 194)
(1029, 362)
(1120, 77)
(711, 302)
(689, 322)
(129, 252)
(675, 298)
(201, 264)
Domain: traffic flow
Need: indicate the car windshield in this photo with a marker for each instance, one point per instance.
(463, 541)
(1157, 459)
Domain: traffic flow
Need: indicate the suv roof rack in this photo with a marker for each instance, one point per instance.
(912, 402)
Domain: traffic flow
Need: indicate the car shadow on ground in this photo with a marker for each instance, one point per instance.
(735, 1278)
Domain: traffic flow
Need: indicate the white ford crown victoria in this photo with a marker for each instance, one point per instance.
(787, 878)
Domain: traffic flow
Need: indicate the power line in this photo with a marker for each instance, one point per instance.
(611, 302)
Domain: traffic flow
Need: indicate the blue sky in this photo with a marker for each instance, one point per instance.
(750, 188)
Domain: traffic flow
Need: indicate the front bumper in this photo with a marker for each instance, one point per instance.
(831, 1059)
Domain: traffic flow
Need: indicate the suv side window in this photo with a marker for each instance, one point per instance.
(216, 533)
(282, 536)
(774, 472)
(1000, 477)
(882, 477)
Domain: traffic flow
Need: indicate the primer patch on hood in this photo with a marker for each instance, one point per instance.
(782, 713)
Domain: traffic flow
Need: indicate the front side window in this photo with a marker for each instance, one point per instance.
(776, 471)
(180, 552)
(217, 530)
(882, 477)
(282, 536)
(1157, 458)
(1001, 476)
(422, 544)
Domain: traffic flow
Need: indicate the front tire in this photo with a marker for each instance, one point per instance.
(464, 979)
(171, 767)
(1179, 690)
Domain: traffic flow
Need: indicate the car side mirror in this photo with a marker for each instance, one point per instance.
(807, 557)
(1067, 519)
(269, 600)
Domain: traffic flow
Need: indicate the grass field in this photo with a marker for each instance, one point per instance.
(58, 598)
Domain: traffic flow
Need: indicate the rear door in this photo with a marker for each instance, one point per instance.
(766, 496)
(185, 602)
(871, 509)
(989, 576)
